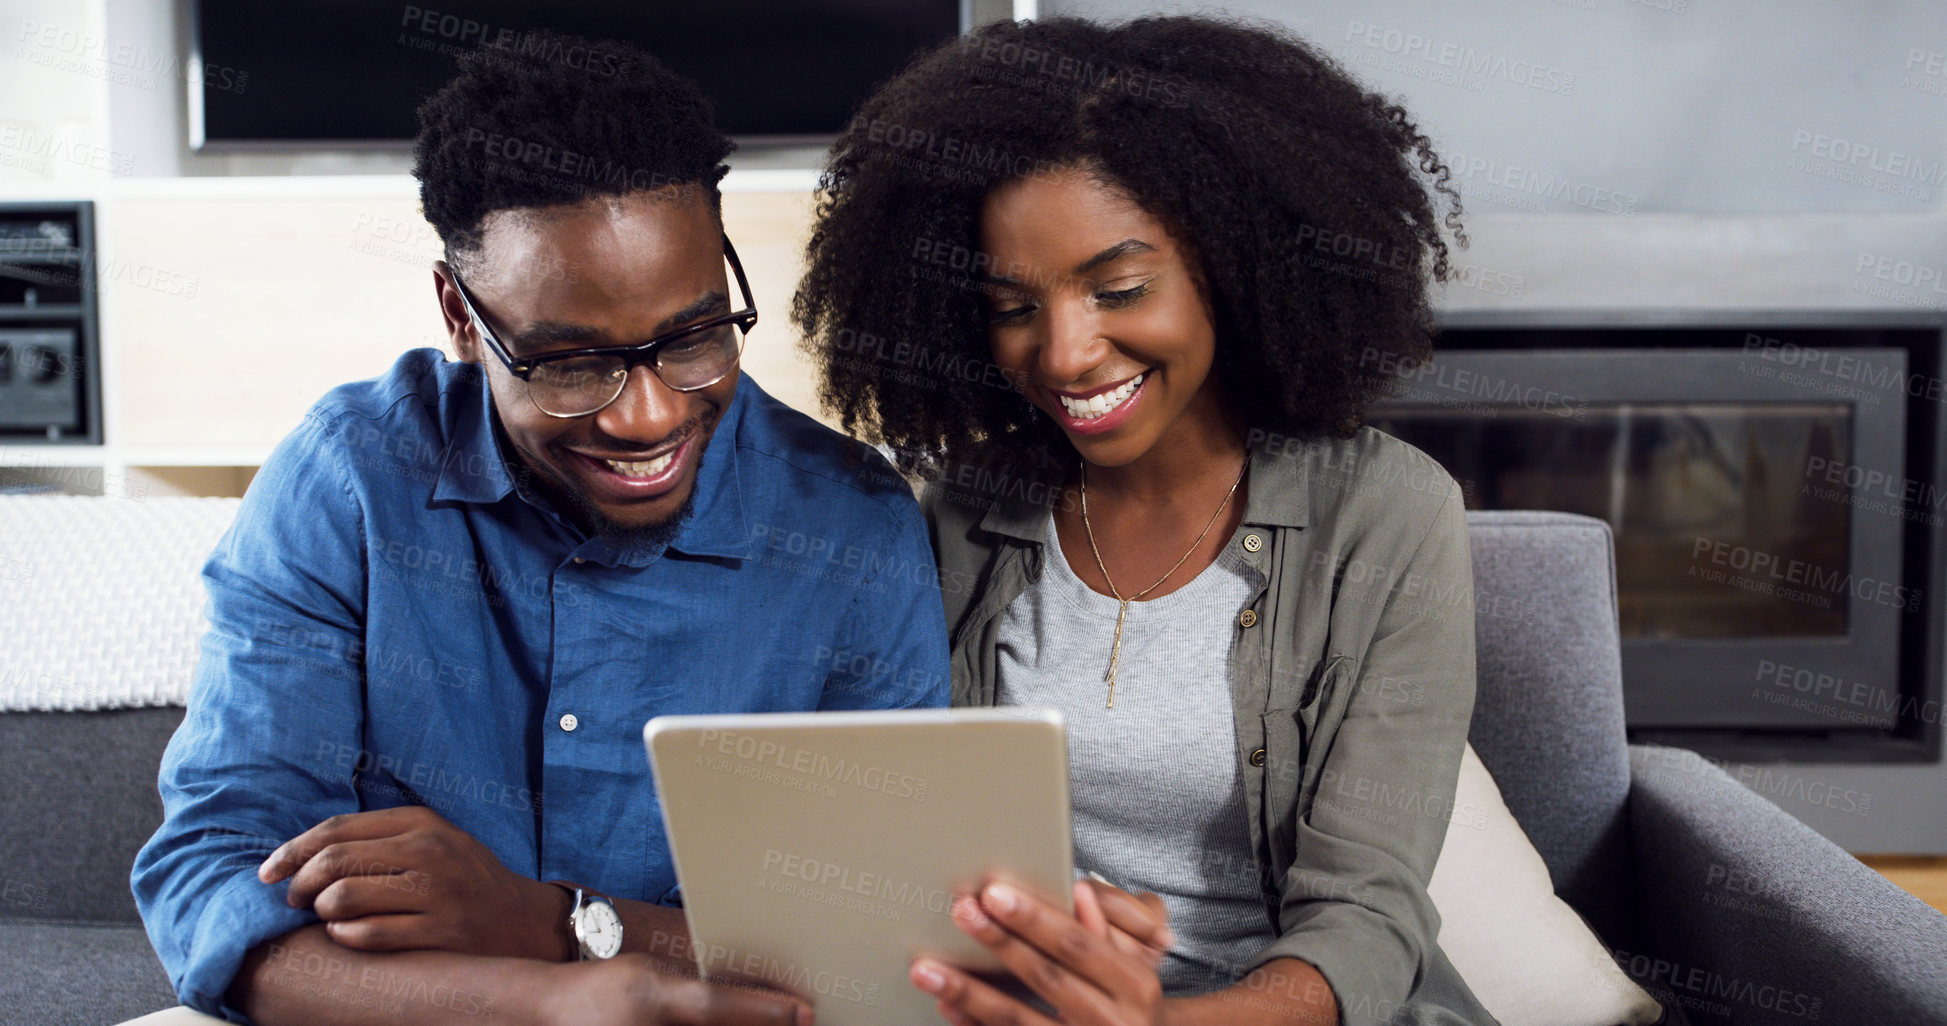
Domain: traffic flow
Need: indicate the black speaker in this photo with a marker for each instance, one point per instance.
(40, 381)
(50, 382)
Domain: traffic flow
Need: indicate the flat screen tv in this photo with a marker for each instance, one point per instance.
(352, 72)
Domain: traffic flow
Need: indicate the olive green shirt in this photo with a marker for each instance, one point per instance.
(1352, 691)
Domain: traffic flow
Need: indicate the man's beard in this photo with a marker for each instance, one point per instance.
(571, 497)
(641, 540)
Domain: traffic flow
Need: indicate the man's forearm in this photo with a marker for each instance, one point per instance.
(305, 977)
(546, 934)
(1284, 991)
(658, 931)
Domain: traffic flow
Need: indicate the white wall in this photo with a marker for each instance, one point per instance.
(53, 100)
(1705, 106)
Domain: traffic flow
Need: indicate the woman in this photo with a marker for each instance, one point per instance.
(1123, 293)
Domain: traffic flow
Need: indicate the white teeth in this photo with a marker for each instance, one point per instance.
(1096, 406)
(645, 468)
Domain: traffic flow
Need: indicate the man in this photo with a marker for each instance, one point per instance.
(411, 784)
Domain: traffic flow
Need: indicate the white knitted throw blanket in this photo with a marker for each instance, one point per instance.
(101, 600)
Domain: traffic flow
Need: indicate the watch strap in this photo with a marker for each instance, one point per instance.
(580, 899)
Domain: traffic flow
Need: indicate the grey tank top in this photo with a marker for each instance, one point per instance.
(1158, 802)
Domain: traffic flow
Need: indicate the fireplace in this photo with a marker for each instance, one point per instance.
(1775, 489)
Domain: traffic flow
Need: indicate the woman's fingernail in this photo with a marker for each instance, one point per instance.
(928, 978)
(1002, 898)
(804, 1015)
(1168, 938)
(967, 913)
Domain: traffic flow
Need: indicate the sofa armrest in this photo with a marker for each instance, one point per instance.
(1750, 916)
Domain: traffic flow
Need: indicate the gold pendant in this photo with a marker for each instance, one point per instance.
(1115, 652)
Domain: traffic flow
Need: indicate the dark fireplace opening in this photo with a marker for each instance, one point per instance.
(1775, 488)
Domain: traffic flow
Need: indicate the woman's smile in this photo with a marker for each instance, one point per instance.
(1102, 314)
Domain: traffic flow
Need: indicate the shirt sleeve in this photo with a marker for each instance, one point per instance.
(1354, 903)
(267, 747)
(893, 654)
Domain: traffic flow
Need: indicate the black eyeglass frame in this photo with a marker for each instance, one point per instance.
(632, 356)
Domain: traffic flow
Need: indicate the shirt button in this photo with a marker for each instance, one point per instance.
(578, 561)
(1247, 618)
(1257, 757)
(1252, 543)
(568, 721)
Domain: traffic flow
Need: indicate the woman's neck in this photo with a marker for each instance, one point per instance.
(1203, 449)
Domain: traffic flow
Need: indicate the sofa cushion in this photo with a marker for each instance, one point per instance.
(1524, 952)
(78, 973)
(1548, 713)
(177, 1016)
(80, 800)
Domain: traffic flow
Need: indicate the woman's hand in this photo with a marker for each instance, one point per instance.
(1137, 924)
(1075, 963)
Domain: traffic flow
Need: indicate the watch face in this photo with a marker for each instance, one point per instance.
(601, 929)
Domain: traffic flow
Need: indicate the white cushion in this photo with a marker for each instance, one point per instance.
(1528, 957)
(102, 598)
(177, 1016)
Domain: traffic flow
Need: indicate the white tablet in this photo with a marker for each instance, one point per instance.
(819, 853)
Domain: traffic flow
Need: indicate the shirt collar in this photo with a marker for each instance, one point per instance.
(474, 468)
(719, 524)
(1280, 492)
(1277, 496)
(1023, 494)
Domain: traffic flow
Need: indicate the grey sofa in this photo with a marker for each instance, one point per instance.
(1643, 841)
(1713, 899)
(80, 799)
(100, 602)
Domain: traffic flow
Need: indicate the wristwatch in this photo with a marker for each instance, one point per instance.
(597, 929)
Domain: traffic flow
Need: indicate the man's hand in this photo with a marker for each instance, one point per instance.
(628, 989)
(404, 878)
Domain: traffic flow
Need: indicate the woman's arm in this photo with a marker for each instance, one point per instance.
(1377, 790)
(1284, 991)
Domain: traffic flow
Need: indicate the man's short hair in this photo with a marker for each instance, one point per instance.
(550, 119)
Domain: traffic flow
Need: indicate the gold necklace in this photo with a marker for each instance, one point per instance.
(1115, 652)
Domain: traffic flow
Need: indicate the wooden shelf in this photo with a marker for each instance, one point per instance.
(54, 455)
(133, 471)
(45, 311)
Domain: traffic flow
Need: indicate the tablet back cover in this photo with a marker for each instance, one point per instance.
(820, 852)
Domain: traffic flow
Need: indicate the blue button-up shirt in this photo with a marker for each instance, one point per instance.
(393, 620)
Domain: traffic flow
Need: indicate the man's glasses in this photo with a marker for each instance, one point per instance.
(578, 382)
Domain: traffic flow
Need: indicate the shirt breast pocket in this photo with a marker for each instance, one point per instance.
(1290, 732)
